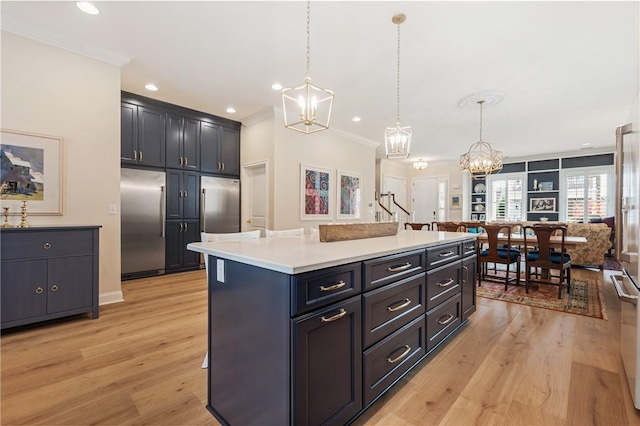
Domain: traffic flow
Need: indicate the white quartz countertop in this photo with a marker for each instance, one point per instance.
(294, 255)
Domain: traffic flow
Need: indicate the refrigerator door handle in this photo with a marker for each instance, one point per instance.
(162, 210)
(202, 210)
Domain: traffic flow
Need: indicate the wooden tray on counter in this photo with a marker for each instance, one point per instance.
(356, 231)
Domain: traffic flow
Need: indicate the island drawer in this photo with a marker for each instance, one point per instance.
(315, 289)
(386, 361)
(388, 308)
(442, 283)
(45, 244)
(469, 247)
(442, 320)
(440, 255)
(385, 270)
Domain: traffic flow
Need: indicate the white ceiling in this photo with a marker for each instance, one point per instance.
(568, 71)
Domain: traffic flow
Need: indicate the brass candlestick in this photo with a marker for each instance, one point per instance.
(23, 221)
(6, 223)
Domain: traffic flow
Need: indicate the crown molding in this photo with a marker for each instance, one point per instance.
(260, 116)
(26, 29)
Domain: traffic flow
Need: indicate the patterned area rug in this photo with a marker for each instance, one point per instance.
(585, 297)
(610, 264)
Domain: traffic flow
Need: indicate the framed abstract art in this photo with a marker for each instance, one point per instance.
(349, 195)
(316, 193)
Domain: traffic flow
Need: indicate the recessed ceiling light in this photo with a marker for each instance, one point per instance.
(231, 110)
(276, 86)
(356, 119)
(151, 87)
(87, 7)
(586, 144)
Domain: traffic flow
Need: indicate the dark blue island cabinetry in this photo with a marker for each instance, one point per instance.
(47, 273)
(320, 346)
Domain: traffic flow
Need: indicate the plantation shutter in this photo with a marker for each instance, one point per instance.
(587, 195)
(507, 198)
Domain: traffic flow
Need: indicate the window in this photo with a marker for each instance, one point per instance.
(505, 197)
(442, 200)
(588, 194)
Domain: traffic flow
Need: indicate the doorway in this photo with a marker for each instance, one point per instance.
(255, 196)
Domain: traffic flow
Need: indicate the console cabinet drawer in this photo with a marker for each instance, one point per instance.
(315, 289)
(442, 320)
(388, 360)
(387, 309)
(442, 283)
(40, 244)
(385, 270)
(440, 255)
(469, 247)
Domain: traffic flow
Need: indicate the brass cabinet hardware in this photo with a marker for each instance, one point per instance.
(186, 161)
(186, 226)
(407, 349)
(446, 283)
(340, 284)
(399, 268)
(466, 273)
(54, 288)
(140, 155)
(403, 304)
(447, 321)
(447, 254)
(47, 246)
(39, 290)
(135, 155)
(335, 317)
(181, 161)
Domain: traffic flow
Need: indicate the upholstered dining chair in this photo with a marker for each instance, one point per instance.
(232, 236)
(499, 253)
(545, 257)
(417, 226)
(284, 233)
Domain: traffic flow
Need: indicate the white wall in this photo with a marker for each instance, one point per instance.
(51, 91)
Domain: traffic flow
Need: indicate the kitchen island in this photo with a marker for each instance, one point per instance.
(304, 332)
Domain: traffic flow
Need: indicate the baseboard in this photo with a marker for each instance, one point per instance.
(110, 297)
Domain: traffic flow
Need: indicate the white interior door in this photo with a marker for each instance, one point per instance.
(256, 190)
(425, 199)
(398, 187)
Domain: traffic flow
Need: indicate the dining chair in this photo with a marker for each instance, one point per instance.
(545, 257)
(284, 233)
(451, 227)
(417, 226)
(207, 237)
(498, 253)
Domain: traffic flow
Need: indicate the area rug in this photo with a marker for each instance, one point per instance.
(610, 264)
(585, 297)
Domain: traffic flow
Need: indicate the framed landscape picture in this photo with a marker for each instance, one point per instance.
(349, 191)
(316, 193)
(31, 170)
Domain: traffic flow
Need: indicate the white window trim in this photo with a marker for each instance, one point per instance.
(505, 176)
(610, 171)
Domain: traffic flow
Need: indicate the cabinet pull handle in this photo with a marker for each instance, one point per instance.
(340, 284)
(466, 274)
(447, 321)
(223, 167)
(404, 304)
(335, 317)
(47, 246)
(140, 155)
(181, 227)
(135, 155)
(446, 283)
(180, 160)
(219, 165)
(54, 288)
(399, 268)
(186, 226)
(186, 162)
(39, 290)
(406, 351)
(185, 194)
(447, 254)
(470, 248)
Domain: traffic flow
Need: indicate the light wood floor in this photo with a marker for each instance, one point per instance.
(139, 363)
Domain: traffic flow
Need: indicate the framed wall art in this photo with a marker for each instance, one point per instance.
(349, 191)
(542, 204)
(31, 169)
(316, 193)
(455, 202)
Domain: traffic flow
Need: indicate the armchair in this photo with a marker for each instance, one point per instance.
(598, 242)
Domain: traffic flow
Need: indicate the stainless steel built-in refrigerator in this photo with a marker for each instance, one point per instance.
(219, 205)
(142, 206)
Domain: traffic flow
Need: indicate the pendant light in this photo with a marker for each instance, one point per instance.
(481, 160)
(397, 140)
(420, 164)
(307, 108)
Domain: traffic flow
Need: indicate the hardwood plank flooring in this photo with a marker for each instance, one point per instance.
(139, 363)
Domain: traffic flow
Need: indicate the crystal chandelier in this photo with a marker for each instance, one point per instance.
(307, 108)
(481, 160)
(397, 140)
(420, 164)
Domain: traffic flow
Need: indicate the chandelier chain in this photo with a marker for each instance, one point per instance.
(398, 80)
(308, 37)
